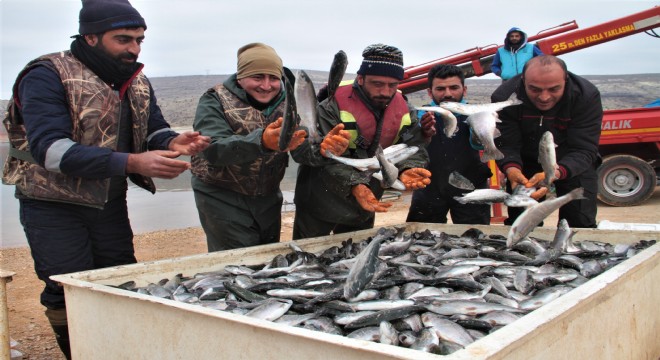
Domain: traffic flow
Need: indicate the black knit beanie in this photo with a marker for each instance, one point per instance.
(99, 16)
(382, 60)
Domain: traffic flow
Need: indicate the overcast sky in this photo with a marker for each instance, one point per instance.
(197, 37)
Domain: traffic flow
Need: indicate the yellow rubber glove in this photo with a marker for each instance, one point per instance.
(415, 178)
(336, 141)
(367, 200)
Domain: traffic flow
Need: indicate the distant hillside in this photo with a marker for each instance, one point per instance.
(178, 95)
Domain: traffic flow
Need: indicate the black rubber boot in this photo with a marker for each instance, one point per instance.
(58, 322)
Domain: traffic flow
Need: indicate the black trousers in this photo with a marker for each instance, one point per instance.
(433, 207)
(308, 226)
(65, 238)
(578, 213)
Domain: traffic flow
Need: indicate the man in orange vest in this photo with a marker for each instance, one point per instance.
(337, 198)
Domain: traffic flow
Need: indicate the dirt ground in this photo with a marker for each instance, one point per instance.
(28, 325)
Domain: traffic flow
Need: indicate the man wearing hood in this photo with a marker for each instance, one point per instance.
(510, 59)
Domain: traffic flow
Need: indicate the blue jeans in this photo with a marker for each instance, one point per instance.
(66, 238)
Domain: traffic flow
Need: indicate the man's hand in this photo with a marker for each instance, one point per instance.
(296, 140)
(336, 141)
(515, 177)
(271, 136)
(533, 182)
(428, 124)
(367, 200)
(189, 143)
(415, 178)
(158, 163)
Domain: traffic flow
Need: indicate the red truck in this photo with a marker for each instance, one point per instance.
(630, 138)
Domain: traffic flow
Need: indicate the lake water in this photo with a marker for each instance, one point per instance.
(172, 207)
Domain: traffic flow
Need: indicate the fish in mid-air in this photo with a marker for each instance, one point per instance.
(470, 109)
(533, 215)
(483, 125)
(459, 181)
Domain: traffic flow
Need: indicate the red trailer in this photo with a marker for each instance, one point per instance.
(630, 138)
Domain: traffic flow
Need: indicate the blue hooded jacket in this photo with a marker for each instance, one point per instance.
(509, 62)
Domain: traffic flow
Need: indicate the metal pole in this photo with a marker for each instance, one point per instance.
(5, 277)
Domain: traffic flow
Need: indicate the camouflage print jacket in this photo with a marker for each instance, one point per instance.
(236, 160)
(94, 115)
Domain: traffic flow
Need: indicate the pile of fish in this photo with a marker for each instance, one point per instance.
(425, 290)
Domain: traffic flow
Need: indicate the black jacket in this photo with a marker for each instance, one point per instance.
(574, 122)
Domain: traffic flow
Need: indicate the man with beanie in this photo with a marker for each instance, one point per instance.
(236, 180)
(337, 198)
(80, 122)
(510, 59)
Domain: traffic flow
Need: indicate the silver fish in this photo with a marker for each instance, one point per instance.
(393, 154)
(543, 297)
(483, 125)
(548, 157)
(388, 334)
(290, 118)
(563, 238)
(533, 215)
(447, 329)
(369, 333)
(520, 201)
(389, 171)
(364, 268)
(468, 307)
(270, 309)
(448, 119)
(427, 341)
(459, 181)
(306, 105)
(470, 109)
(483, 196)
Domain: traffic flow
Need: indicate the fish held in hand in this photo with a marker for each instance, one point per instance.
(290, 119)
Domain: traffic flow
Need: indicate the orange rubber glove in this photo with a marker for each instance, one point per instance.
(296, 140)
(336, 141)
(415, 178)
(367, 200)
(538, 194)
(271, 135)
(515, 177)
(533, 182)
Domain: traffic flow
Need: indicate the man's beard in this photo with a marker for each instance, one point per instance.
(380, 102)
(122, 66)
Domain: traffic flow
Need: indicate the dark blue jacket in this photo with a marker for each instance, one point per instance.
(46, 115)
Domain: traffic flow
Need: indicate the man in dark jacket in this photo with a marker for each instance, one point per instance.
(448, 154)
(510, 59)
(338, 198)
(570, 108)
(79, 122)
